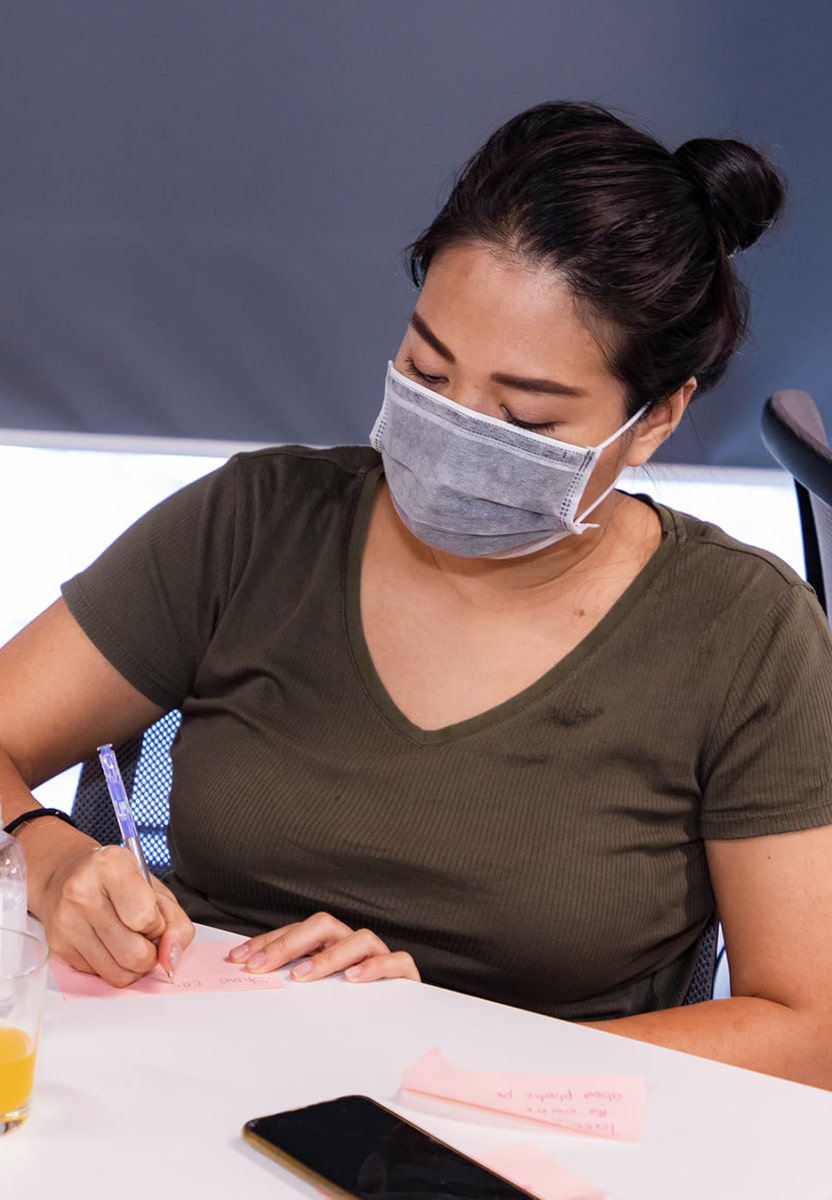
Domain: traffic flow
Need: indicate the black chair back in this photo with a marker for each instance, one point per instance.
(145, 766)
(794, 435)
(702, 985)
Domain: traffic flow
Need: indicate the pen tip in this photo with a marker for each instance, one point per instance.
(170, 975)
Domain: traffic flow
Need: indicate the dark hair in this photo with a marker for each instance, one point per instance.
(642, 236)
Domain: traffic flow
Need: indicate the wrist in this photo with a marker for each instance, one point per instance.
(51, 847)
(34, 814)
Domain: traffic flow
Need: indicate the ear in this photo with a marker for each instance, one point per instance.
(657, 425)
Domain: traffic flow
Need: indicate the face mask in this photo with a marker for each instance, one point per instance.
(476, 486)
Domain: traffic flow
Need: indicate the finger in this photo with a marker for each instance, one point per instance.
(107, 908)
(179, 929)
(115, 871)
(344, 953)
(397, 965)
(71, 957)
(254, 945)
(297, 941)
(106, 949)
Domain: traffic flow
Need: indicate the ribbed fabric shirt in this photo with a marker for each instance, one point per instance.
(548, 853)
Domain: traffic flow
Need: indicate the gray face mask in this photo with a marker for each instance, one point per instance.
(476, 486)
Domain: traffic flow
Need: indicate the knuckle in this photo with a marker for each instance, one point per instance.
(253, 944)
(77, 889)
(324, 922)
(323, 955)
(123, 977)
(137, 957)
(103, 857)
(368, 938)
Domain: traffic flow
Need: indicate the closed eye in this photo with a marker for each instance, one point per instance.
(435, 381)
(545, 427)
(429, 381)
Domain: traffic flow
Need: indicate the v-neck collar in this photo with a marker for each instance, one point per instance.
(390, 711)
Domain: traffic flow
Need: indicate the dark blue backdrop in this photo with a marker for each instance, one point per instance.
(203, 201)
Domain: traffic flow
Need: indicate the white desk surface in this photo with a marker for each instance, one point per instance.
(141, 1096)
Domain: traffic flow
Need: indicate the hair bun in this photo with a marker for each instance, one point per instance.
(744, 189)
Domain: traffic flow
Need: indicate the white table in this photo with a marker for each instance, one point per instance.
(142, 1096)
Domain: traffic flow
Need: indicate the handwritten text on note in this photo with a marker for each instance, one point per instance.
(203, 968)
(609, 1106)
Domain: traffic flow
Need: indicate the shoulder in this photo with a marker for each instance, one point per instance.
(692, 534)
(257, 482)
(325, 460)
(708, 567)
(331, 466)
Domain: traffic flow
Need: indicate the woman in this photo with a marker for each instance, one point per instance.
(485, 717)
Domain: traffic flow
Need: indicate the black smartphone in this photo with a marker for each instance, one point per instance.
(353, 1147)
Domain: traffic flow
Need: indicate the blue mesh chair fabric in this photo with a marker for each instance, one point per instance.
(146, 769)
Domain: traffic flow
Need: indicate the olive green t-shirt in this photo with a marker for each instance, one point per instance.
(547, 853)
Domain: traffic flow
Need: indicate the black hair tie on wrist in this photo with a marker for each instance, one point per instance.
(33, 815)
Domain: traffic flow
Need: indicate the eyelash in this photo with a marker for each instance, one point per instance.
(546, 427)
(431, 381)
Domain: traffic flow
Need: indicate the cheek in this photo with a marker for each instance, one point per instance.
(612, 462)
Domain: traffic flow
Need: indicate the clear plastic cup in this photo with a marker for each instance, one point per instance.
(23, 965)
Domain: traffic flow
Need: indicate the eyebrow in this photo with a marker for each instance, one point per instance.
(520, 383)
(426, 333)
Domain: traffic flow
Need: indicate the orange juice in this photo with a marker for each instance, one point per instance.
(17, 1069)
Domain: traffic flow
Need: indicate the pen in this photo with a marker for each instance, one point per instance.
(123, 811)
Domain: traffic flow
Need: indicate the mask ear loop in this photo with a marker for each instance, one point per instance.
(597, 452)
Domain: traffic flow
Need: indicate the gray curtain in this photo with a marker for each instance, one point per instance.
(203, 201)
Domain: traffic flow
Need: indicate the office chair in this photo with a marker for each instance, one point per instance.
(704, 975)
(793, 433)
(145, 767)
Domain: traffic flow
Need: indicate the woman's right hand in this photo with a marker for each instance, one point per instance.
(101, 917)
(59, 698)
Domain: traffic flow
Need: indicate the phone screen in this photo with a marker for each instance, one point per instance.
(366, 1150)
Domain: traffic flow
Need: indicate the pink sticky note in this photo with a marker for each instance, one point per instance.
(203, 968)
(534, 1170)
(609, 1106)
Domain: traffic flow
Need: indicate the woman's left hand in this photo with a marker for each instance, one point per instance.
(325, 946)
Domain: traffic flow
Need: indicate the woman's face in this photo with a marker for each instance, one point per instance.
(502, 337)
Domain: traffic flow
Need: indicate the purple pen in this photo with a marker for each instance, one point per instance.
(121, 806)
(124, 814)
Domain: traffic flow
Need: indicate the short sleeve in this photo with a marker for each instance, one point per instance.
(152, 600)
(768, 767)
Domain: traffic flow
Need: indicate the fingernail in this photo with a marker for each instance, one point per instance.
(303, 968)
(239, 951)
(257, 959)
(354, 972)
(175, 955)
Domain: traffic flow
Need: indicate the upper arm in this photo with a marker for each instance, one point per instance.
(151, 603)
(60, 697)
(774, 897)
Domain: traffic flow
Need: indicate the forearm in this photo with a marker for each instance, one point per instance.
(744, 1031)
(46, 842)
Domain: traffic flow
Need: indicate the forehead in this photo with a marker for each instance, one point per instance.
(500, 312)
